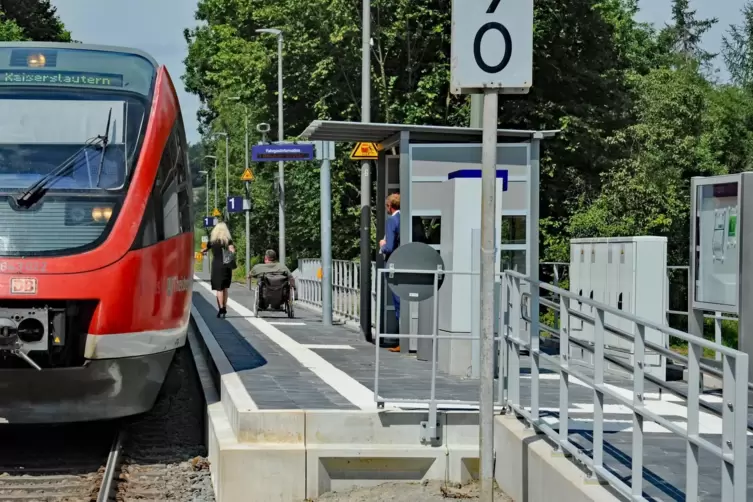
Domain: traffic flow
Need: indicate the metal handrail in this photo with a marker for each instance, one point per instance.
(345, 287)
(705, 368)
(733, 452)
(621, 313)
(622, 364)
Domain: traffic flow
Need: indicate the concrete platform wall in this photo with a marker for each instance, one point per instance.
(292, 455)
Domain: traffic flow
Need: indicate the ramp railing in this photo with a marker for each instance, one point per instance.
(515, 309)
(346, 289)
(346, 286)
(732, 452)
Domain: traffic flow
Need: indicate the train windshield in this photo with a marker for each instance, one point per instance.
(76, 133)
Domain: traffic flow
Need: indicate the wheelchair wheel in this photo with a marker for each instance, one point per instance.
(256, 302)
(289, 308)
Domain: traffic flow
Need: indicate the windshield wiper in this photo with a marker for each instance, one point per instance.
(105, 142)
(39, 188)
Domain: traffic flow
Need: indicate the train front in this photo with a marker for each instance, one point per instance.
(95, 232)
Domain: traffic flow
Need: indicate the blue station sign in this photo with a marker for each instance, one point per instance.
(282, 152)
(235, 204)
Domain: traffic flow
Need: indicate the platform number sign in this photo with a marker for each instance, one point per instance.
(492, 46)
(235, 204)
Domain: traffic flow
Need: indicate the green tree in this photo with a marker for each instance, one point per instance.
(584, 55)
(37, 18)
(737, 50)
(672, 141)
(684, 37)
(10, 31)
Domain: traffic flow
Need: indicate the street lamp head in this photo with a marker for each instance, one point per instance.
(273, 31)
(234, 98)
(210, 157)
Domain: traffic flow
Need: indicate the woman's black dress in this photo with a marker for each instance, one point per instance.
(221, 275)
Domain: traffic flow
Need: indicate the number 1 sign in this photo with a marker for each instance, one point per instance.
(492, 46)
(235, 204)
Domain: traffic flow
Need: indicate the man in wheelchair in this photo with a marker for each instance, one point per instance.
(275, 284)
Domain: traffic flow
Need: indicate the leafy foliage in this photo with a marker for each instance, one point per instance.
(638, 111)
(10, 31)
(37, 19)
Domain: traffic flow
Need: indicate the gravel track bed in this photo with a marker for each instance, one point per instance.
(164, 455)
(53, 463)
(427, 491)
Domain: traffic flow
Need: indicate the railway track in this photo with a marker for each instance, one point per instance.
(164, 457)
(57, 463)
(157, 456)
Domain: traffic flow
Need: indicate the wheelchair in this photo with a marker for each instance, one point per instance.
(273, 292)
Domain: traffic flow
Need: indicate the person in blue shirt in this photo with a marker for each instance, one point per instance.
(391, 242)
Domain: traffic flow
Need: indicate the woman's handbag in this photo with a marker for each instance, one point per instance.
(228, 259)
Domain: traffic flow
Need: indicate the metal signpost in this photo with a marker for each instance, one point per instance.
(247, 177)
(492, 53)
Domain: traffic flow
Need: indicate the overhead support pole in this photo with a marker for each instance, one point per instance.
(365, 306)
(280, 165)
(326, 153)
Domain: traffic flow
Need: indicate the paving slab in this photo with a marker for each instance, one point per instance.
(273, 378)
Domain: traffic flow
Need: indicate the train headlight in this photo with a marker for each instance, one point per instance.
(101, 214)
(36, 60)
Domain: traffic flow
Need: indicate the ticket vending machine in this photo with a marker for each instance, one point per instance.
(721, 271)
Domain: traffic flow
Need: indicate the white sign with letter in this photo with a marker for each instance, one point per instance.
(492, 46)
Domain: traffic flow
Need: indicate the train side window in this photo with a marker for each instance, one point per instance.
(151, 231)
(169, 187)
(184, 176)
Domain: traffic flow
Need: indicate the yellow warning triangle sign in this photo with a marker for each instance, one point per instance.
(247, 175)
(216, 212)
(365, 151)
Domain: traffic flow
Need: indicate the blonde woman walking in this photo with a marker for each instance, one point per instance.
(223, 263)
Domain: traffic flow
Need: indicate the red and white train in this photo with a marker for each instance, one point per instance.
(96, 231)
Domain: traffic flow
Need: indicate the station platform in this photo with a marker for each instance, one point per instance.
(278, 364)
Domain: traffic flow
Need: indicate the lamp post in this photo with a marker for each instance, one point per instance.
(215, 178)
(227, 170)
(206, 194)
(280, 137)
(245, 112)
(248, 192)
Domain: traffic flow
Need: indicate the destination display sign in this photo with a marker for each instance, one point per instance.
(282, 152)
(53, 77)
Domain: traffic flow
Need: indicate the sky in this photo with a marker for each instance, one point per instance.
(727, 11)
(156, 26)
